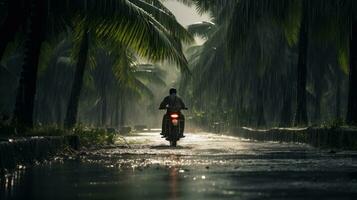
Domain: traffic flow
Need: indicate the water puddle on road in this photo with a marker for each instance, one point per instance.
(203, 166)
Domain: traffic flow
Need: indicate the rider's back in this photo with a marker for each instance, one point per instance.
(173, 103)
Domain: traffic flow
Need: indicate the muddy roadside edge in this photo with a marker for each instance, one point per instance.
(29, 150)
(343, 138)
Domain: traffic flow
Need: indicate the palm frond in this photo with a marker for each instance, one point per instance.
(203, 29)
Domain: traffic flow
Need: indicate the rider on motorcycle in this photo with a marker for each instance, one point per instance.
(172, 103)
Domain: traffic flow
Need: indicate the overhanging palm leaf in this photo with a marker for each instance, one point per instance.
(165, 18)
(203, 29)
(125, 22)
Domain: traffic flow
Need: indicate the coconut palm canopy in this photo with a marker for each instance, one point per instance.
(263, 54)
(263, 63)
(136, 29)
(265, 104)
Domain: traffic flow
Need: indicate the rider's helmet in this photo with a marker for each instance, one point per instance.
(173, 91)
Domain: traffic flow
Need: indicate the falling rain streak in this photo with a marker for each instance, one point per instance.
(92, 74)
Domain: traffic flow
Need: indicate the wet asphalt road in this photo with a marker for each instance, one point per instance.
(203, 166)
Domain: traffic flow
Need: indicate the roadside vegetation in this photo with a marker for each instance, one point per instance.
(88, 136)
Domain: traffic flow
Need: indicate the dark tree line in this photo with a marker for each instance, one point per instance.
(284, 62)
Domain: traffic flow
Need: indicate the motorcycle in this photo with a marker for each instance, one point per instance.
(174, 126)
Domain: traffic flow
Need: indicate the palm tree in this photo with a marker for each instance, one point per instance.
(300, 21)
(113, 78)
(72, 110)
(154, 34)
(247, 14)
(230, 80)
(58, 68)
(118, 80)
(301, 107)
(351, 118)
(147, 28)
(35, 34)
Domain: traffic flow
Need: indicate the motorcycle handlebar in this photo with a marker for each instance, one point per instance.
(167, 108)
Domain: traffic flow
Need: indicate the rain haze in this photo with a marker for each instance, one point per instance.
(150, 99)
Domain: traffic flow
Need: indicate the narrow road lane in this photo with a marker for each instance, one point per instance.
(203, 166)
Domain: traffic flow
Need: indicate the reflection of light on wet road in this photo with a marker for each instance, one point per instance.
(203, 166)
(8, 182)
(173, 183)
(196, 149)
(173, 176)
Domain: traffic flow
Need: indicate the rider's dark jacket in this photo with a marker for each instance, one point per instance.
(173, 103)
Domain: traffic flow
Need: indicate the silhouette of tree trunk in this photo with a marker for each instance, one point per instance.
(351, 118)
(301, 110)
(58, 112)
(338, 97)
(98, 118)
(122, 111)
(24, 107)
(116, 110)
(72, 109)
(286, 111)
(317, 106)
(104, 108)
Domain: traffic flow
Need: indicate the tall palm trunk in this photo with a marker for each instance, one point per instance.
(24, 107)
(104, 108)
(338, 97)
(72, 108)
(17, 11)
(116, 110)
(58, 111)
(352, 94)
(301, 110)
(98, 118)
(317, 106)
(122, 111)
(286, 111)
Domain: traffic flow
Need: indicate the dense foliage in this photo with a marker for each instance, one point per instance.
(83, 56)
(274, 63)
